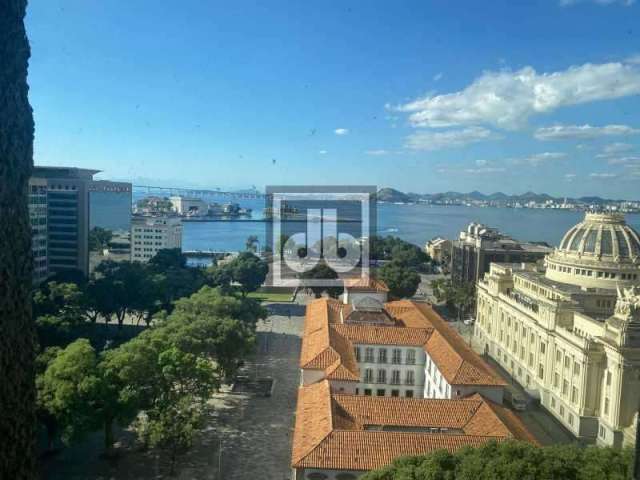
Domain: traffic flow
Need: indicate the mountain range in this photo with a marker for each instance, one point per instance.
(393, 195)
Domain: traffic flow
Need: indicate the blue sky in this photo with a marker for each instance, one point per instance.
(421, 96)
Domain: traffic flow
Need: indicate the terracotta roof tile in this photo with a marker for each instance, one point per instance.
(383, 335)
(337, 431)
(367, 283)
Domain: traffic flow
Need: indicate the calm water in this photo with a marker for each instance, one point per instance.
(414, 223)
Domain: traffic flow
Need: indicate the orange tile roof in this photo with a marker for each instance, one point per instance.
(371, 334)
(457, 362)
(331, 429)
(328, 342)
(367, 283)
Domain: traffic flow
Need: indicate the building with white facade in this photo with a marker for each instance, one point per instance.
(384, 380)
(189, 206)
(569, 331)
(151, 234)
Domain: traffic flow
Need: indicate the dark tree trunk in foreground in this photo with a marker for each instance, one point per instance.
(17, 338)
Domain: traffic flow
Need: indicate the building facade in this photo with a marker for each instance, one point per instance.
(479, 246)
(383, 380)
(397, 349)
(439, 249)
(188, 206)
(68, 213)
(38, 219)
(151, 234)
(569, 330)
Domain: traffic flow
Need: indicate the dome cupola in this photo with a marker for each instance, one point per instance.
(600, 252)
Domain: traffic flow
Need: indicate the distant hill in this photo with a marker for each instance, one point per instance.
(393, 195)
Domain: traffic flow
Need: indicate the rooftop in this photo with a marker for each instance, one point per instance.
(328, 341)
(351, 432)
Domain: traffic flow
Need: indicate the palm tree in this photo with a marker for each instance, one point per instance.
(17, 338)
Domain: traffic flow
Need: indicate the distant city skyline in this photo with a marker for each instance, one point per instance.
(424, 98)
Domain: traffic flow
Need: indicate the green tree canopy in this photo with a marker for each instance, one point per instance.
(402, 281)
(322, 271)
(249, 271)
(99, 238)
(512, 460)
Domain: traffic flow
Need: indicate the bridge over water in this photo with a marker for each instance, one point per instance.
(198, 192)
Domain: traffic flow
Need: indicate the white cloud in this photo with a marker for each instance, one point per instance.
(341, 131)
(635, 59)
(628, 160)
(538, 158)
(485, 170)
(378, 152)
(602, 176)
(482, 163)
(508, 98)
(624, 3)
(583, 132)
(447, 139)
(322, 152)
(437, 77)
(569, 177)
(614, 149)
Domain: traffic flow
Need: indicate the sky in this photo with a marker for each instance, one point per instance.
(422, 96)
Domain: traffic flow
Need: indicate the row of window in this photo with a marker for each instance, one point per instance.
(592, 273)
(396, 355)
(382, 392)
(381, 377)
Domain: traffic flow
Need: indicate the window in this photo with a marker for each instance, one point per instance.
(380, 392)
(395, 393)
(367, 391)
(397, 356)
(565, 387)
(576, 368)
(542, 347)
(570, 419)
(395, 377)
(606, 406)
(602, 432)
(556, 380)
(368, 375)
(357, 353)
(382, 376)
(540, 372)
(561, 410)
(408, 394)
(608, 378)
(574, 395)
(567, 361)
(368, 355)
(411, 357)
(410, 378)
(382, 355)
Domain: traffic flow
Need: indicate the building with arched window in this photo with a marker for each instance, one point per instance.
(569, 330)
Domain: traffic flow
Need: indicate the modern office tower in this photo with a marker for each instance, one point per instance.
(38, 218)
(479, 246)
(570, 332)
(151, 234)
(68, 214)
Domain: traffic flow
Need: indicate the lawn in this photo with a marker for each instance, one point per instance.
(271, 297)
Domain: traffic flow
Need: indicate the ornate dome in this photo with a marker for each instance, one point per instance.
(600, 252)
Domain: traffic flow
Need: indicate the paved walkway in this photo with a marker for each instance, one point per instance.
(255, 432)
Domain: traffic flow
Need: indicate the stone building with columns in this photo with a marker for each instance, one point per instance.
(569, 330)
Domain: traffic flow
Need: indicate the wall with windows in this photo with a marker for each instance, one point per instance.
(390, 370)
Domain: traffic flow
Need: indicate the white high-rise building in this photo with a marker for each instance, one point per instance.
(151, 234)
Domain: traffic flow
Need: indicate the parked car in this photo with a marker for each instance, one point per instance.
(469, 321)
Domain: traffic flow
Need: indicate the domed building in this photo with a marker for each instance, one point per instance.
(568, 328)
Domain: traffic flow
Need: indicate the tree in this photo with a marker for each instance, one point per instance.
(168, 258)
(512, 459)
(17, 332)
(249, 271)
(219, 276)
(252, 243)
(46, 417)
(402, 281)
(99, 238)
(322, 271)
(461, 297)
